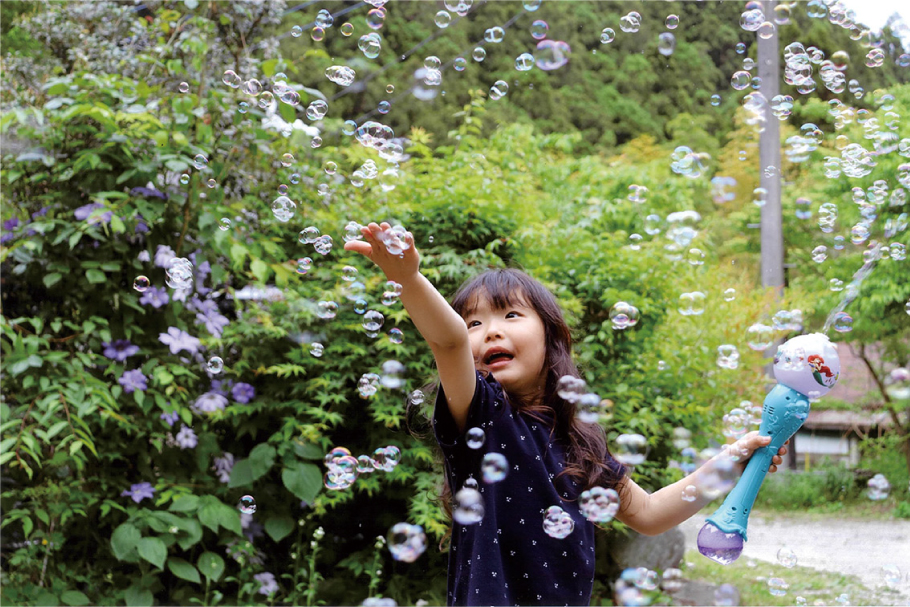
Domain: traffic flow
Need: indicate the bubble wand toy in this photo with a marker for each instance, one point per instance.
(805, 367)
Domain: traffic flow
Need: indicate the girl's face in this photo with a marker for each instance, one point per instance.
(510, 343)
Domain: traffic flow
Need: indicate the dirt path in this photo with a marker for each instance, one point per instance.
(848, 546)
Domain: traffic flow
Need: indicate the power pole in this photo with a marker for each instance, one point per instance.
(772, 238)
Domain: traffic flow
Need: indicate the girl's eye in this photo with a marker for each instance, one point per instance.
(472, 323)
(508, 314)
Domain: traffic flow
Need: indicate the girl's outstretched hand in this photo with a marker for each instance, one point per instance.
(378, 239)
(746, 446)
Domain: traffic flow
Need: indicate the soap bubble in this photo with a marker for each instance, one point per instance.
(740, 48)
(891, 575)
(231, 79)
(729, 294)
(475, 438)
(392, 370)
(666, 43)
(820, 254)
(672, 22)
(878, 488)
(376, 18)
(183, 87)
(681, 438)
(570, 388)
(598, 504)
(631, 449)
(442, 20)
(494, 467)
(589, 408)
(539, 29)
(460, 64)
(690, 493)
(142, 284)
(557, 523)
(607, 35)
(672, 580)
(740, 80)
(303, 265)
(327, 310)
(843, 322)
(777, 586)
(524, 62)
(407, 542)
(340, 74)
(692, 304)
(247, 504)
(737, 422)
(373, 321)
(479, 54)
(727, 356)
(184, 179)
(494, 35)
(897, 384)
(396, 336)
(416, 397)
(623, 315)
(552, 54)
(296, 31)
(215, 365)
(360, 306)
(468, 507)
(316, 349)
(629, 23)
(283, 208)
(531, 5)
(786, 557)
(179, 273)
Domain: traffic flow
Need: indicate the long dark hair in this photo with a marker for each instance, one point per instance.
(588, 459)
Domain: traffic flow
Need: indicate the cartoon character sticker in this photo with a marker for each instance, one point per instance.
(821, 372)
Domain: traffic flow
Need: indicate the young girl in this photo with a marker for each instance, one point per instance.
(500, 349)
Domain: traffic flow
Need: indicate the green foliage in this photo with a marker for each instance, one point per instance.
(539, 191)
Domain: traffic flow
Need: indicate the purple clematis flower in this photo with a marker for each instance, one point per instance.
(170, 418)
(11, 224)
(85, 212)
(179, 340)
(267, 581)
(214, 323)
(133, 380)
(148, 192)
(186, 438)
(223, 466)
(163, 255)
(209, 403)
(139, 492)
(119, 350)
(154, 297)
(243, 393)
(144, 256)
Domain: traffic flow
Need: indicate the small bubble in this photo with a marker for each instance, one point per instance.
(141, 284)
(607, 35)
(475, 438)
(494, 467)
(183, 87)
(347, 29)
(729, 294)
(786, 557)
(317, 34)
(316, 349)
(396, 336)
(247, 504)
(672, 22)
(225, 224)
(184, 179)
(215, 365)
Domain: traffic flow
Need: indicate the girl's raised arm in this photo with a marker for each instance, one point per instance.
(442, 328)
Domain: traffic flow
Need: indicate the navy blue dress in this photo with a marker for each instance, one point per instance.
(507, 558)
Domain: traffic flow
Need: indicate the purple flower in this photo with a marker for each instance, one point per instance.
(40, 213)
(141, 226)
(251, 528)
(85, 212)
(8, 236)
(186, 438)
(222, 387)
(148, 192)
(11, 224)
(170, 418)
(163, 255)
(269, 585)
(243, 393)
(223, 466)
(179, 340)
(144, 256)
(214, 322)
(139, 492)
(181, 294)
(119, 350)
(209, 403)
(155, 297)
(133, 380)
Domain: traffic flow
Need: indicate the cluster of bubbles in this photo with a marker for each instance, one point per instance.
(589, 406)
(598, 504)
(632, 582)
(685, 162)
(407, 542)
(623, 315)
(557, 523)
(344, 468)
(878, 488)
(341, 74)
(179, 273)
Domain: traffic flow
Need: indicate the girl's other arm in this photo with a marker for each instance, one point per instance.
(442, 328)
(652, 514)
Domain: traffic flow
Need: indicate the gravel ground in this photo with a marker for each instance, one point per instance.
(849, 546)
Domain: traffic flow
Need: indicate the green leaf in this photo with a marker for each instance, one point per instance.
(46, 599)
(208, 515)
(117, 225)
(74, 597)
(183, 570)
(124, 540)
(211, 565)
(153, 550)
(241, 474)
(229, 518)
(193, 533)
(262, 457)
(51, 279)
(138, 597)
(308, 451)
(279, 527)
(260, 269)
(185, 503)
(303, 480)
(95, 276)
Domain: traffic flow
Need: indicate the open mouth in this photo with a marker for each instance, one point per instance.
(498, 357)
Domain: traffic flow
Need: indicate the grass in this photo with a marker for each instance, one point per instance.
(751, 578)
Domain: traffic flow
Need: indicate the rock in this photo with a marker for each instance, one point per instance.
(657, 552)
